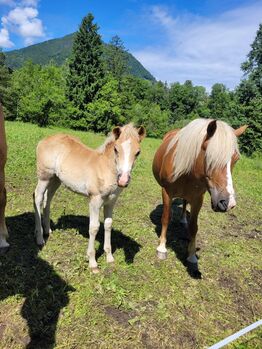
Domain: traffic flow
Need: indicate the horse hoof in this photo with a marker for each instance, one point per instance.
(162, 255)
(40, 244)
(95, 270)
(4, 249)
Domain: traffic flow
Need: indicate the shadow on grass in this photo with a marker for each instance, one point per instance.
(118, 239)
(177, 237)
(23, 273)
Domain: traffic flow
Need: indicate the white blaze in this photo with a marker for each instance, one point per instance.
(230, 189)
(127, 166)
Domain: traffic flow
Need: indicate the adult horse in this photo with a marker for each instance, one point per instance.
(198, 158)
(3, 152)
(100, 174)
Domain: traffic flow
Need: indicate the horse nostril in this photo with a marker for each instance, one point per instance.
(222, 205)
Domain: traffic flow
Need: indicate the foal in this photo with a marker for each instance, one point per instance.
(198, 158)
(100, 174)
(3, 154)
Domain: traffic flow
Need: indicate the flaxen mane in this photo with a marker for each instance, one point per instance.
(127, 131)
(188, 143)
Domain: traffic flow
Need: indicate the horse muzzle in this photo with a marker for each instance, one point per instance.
(123, 180)
(221, 202)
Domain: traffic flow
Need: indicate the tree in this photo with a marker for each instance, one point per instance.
(252, 67)
(40, 95)
(6, 95)
(249, 94)
(116, 59)
(86, 70)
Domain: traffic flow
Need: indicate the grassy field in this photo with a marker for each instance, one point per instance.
(49, 299)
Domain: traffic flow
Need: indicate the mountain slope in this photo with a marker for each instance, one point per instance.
(58, 50)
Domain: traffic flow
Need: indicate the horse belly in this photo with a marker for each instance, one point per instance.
(77, 185)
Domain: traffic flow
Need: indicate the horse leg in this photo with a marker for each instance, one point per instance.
(192, 230)
(3, 229)
(94, 208)
(183, 218)
(161, 249)
(53, 185)
(108, 212)
(38, 199)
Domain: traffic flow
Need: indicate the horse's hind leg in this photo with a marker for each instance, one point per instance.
(161, 249)
(53, 185)
(38, 199)
(3, 229)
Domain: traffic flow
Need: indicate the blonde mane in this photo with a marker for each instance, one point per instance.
(188, 143)
(127, 131)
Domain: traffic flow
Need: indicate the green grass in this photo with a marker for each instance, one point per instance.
(50, 299)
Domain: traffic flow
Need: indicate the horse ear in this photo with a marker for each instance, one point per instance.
(239, 131)
(116, 132)
(211, 129)
(141, 132)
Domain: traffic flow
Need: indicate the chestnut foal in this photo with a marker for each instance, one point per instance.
(100, 174)
(198, 158)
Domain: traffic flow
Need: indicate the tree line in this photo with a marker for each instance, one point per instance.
(94, 90)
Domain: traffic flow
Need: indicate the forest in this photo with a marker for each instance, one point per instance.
(94, 90)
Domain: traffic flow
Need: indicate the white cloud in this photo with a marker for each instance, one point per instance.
(204, 50)
(7, 2)
(4, 39)
(23, 21)
(29, 2)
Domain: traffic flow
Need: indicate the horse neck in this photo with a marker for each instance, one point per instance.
(109, 154)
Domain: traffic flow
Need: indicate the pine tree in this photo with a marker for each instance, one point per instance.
(86, 70)
(116, 59)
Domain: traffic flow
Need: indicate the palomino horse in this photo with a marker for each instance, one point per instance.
(3, 152)
(100, 174)
(190, 161)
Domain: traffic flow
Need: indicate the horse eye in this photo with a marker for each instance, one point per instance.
(138, 152)
(115, 150)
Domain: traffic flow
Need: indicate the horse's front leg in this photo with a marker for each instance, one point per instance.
(192, 231)
(94, 208)
(167, 200)
(108, 212)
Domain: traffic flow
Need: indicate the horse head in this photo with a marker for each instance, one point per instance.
(127, 149)
(219, 178)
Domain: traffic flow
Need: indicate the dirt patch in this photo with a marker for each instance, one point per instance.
(255, 234)
(122, 317)
(246, 306)
(2, 330)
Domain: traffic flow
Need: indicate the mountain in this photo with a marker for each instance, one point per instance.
(58, 50)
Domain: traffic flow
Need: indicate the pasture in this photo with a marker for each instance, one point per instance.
(49, 298)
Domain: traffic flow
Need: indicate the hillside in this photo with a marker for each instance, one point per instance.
(58, 50)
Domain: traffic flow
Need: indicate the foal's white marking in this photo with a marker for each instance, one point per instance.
(162, 247)
(230, 189)
(127, 166)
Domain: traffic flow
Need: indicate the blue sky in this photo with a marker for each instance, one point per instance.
(204, 41)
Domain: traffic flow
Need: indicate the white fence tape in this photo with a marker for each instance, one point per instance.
(236, 335)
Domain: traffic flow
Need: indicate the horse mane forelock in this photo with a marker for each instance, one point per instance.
(127, 131)
(188, 142)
